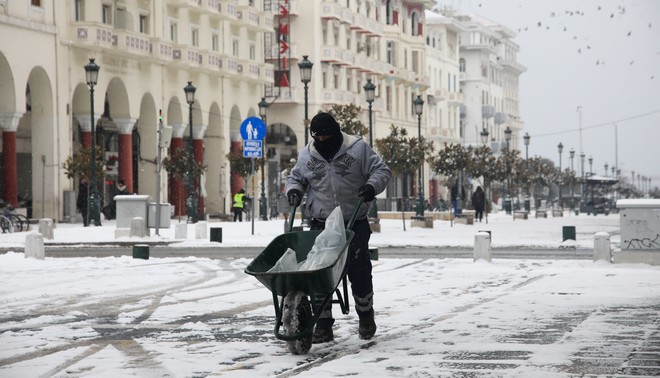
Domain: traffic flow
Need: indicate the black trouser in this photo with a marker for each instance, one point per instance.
(359, 271)
(238, 213)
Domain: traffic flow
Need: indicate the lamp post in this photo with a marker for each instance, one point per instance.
(263, 206)
(571, 203)
(606, 166)
(418, 105)
(560, 148)
(191, 202)
(93, 200)
(507, 138)
(305, 67)
(370, 93)
(591, 162)
(526, 139)
(484, 140)
(582, 155)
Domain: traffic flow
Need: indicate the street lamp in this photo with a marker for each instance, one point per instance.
(370, 93)
(591, 162)
(507, 138)
(93, 200)
(526, 138)
(305, 67)
(571, 154)
(263, 109)
(582, 187)
(606, 166)
(560, 148)
(191, 202)
(484, 136)
(418, 105)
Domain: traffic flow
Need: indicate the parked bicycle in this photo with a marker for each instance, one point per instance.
(12, 222)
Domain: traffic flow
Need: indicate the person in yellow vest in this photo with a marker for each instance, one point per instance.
(238, 206)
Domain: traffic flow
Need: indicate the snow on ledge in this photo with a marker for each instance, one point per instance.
(637, 203)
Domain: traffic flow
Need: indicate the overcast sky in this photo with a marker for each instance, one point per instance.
(602, 55)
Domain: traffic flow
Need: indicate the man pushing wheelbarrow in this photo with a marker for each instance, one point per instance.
(333, 168)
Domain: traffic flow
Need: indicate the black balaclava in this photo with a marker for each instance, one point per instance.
(324, 124)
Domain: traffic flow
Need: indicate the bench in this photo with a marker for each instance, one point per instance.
(465, 218)
(541, 213)
(520, 214)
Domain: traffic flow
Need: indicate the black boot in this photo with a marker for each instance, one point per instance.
(322, 335)
(367, 327)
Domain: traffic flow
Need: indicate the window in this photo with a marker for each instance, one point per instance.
(174, 31)
(194, 36)
(106, 14)
(388, 99)
(461, 65)
(79, 10)
(144, 24)
(215, 41)
(234, 48)
(390, 53)
(36, 3)
(253, 51)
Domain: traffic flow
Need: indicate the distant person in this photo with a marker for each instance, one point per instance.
(82, 203)
(239, 204)
(456, 193)
(110, 211)
(479, 203)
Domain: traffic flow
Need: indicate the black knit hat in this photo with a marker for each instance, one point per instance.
(324, 124)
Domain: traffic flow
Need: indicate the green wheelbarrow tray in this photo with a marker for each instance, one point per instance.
(314, 283)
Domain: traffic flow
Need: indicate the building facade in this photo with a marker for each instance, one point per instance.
(148, 51)
(236, 53)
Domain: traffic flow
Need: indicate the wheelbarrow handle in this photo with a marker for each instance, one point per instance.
(351, 220)
(293, 214)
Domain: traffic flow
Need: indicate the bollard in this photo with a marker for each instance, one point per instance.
(482, 246)
(181, 231)
(216, 234)
(34, 245)
(138, 227)
(200, 230)
(568, 233)
(602, 249)
(141, 251)
(46, 228)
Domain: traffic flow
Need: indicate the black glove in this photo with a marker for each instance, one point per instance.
(367, 192)
(295, 197)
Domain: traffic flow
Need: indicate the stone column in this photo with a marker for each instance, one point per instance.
(125, 130)
(8, 125)
(198, 153)
(85, 122)
(176, 186)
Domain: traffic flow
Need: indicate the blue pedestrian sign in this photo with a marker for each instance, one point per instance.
(253, 128)
(252, 148)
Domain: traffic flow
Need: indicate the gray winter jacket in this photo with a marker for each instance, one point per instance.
(336, 183)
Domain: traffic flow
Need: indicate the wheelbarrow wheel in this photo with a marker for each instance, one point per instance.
(297, 316)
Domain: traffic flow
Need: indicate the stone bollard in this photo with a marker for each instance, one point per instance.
(181, 231)
(602, 249)
(482, 246)
(46, 228)
(200, 230)
(34, 246)
(138, 227)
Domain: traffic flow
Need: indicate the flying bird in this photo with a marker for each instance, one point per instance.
(630, 32)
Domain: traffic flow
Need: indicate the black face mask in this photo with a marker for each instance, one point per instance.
(329, 147)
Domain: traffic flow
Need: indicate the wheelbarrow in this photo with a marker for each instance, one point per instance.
(295, 315)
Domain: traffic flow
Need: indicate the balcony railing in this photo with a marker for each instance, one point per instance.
(133, 43)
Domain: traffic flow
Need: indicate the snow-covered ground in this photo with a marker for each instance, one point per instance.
(506, 232)
(197, 317)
